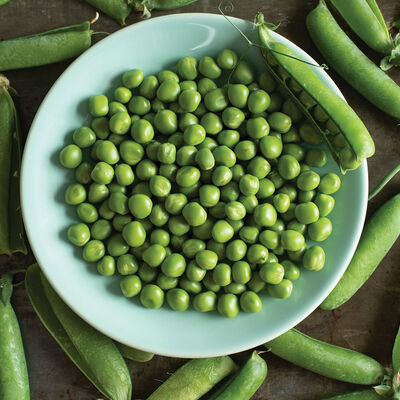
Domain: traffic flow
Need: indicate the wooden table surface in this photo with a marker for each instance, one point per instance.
(367, 323)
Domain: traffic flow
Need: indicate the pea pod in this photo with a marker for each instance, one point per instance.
(146, 6)
(3, 2)
(368, 394)
(14, 383)
(116, 9)
(396, 354)
(194, 379)
(45, 48)
(378, 236)
(245, 382)
(134, 354)
(326, 359)
(93, 353)
(11, 226)
(284, 65)
(351, 64)
(366, 20)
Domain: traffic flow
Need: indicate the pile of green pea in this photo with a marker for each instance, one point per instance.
(190, 186)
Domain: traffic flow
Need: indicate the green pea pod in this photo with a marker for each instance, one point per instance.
(284, 65)
(379, 234)
(194, 379)
(116, 9)
(3, 2)
(396, 354)
(368, 394)
(245, 382)
(365, 19)
(93, 353)
(146, 6)
(11, 226)
(326, 359)
(351, 64)
(134, 354)
(45, 48)
(14, 383)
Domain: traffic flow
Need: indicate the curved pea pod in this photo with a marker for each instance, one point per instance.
(116, 9)
(146, 6)
(93, 353)
(245, 382)
(366, 20)
(194, 379)
(3, 2)
(351, 63)
(11, 225)
(134, 354)
(368, 394)
(326, 359)
(396, 354)
(284, 65)
(379, 234)
(14, 383)
(45, 48)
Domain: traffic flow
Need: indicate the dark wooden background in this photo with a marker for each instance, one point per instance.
(368, 323)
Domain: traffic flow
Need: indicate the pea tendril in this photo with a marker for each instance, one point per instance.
(384, 182)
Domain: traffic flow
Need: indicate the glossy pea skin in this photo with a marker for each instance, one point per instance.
(140, 205)
(178, 299)
(194, 273)
(314, 258)
(130, 286)
(330, 183)
(146, 273)
(228, 137)
(227, 59)
(194, 214)
(221, 175)
(93, 251)
(160, 236)
(249, 185)
(306, 213)
(249, 234)
(294, 150)
(222, 231)
(257, 127)
(187, 68)
(124, 174)
(325, 204)
(189, 100)
(133, 78)
(320, 230)
(258, 101)
(187, 119)
(166, 122)
(190, 286)
(98, 105)
(266, 189)
(134, 234)
(228, 305)
(241, 272)
(234, 210)
(308, 180)
(175, 202)
(269, 239)
(257, 254)
(209, 195)
(288, 167)
(280, 122)
(250, 302)
(238, 94)
(154, 255)
(178, 226)
(259, 167)
(159, 216)
(70, 156)
(78, 234)
(106, 266)
(230, 192)
(127, 264)
(165, 282)
(265, 214)
(205, 301)
(316, 158)
(122, 94)
(271, 147)
(131, 152)
(84, 137)
(282, 290)
(186, 155)
(292, 240)
(281, 202)
(216, 100)
(116, 245)
(107, 151)
(87, 213)
(82, 173)
(75, 194)
(97, 192)
(236, 250)
(152, 296)
(232, 117)
(209, 68)
(305, 196)
(244, 73)
(292, 272)
(206, 259)
(222, 274)
(101, 229)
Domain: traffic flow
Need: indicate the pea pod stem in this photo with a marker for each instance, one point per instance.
(14, 383)
(384, 182)
(326, 359)
(116, 9)
(45, 48)
(354, 67)
(93, 353)
(146, 6)
(379, 234)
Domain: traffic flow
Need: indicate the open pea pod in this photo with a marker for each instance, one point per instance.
(311, 95)
(93, 353)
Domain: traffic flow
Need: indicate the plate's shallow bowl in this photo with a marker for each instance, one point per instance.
(152, 45)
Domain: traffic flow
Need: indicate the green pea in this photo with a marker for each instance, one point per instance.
(189, 100)
(194, 214)
(294, 150)
(142, 131)
(159, 216)
(134, 234)
(314, 258)
(75, 194)
(188, 85)
(146, 273)
(289, 214)
(187, 68)
(194, 273)
(78, 234)
(209, 195)
(227, 59)
(205, 85)
(291, 271)
(152, 296)
(190, 286)
(84, 137)
(93, 251)
(244, 73)
(291, 109)
(309, 134)
(281, 202)
(168, 91)
(257, 127)
(288, 167)
(192, 246)
(238, 94)
(212, 123)
(114, 187)
(209, 68)
(292, 240)
(70, 156)
(222, 231)
(316, 157)
(223, 155)
(146, 169)
(131, 286)
(218, 211)
(282, 290)
(232, 117)
(175, 202)
(187, 176)
(330, 183)
(218, 248)
(131, 152)
(258, 101)
(118, 203)
(250, 302)
(270, 239)
(124, 175)
(127, 264)
(178, 299)
(237, 225)
(116, 245)
(228, 305)
(186, 120)
(166, 122)
(133, 78)
(102, 173)
(206, 259)
(320, 230)
(249, 185)
(235, 210)
(140, 205)
(107, 151)
(204, 159)
(205, 301)
(160, 186)
(296, 256)
(178, 226)
(166, 282)
(236, 250)
(106, 266)
(97, 192)
(98, 105)
(221, 175)
(87, 212)
(154, 255)
(230, 192)
(280, 122)
(290, 191)
(256, 284)
(259, 167)
(157, 105)
(308, 180)
(120, 123)
(216, 100)
(177, 242)
(222, 274)
(267, 81)
(119, 221)
(122, 94)
(266, 189)
(249, 234)
(295, 225)
(257, 254)
(271, 147)
(166, 75)
(82, 173)
(235, 288)
(325, 204)
(100, 127)
(307, 213)
(228, 138)
(265, 214)
(249, 203)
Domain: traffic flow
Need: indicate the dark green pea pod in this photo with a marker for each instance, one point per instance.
(14, 383)
(379, 234)
(3, 2)
(116, 9)
(245, 382)
(146, 6)
(327, 359)
(194, 379)
(45, 48)
(368, 394)
(93, 353)
(285, 67)
(396, 354)
(11, 225)
(365, 18)
(134, 354)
